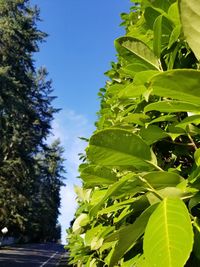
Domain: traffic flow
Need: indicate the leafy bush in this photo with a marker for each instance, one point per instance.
(139, 203)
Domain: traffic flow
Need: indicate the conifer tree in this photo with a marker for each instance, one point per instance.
(26, 112)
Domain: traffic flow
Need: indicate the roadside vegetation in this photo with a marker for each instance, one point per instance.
(139, 200)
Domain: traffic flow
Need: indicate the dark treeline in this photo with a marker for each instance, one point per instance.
(31, 170)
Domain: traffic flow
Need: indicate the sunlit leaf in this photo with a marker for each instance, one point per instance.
(140, 51)
(180, 84)
(190, 18)
(168, 236)
(172, 106)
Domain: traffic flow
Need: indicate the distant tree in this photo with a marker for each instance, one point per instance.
(26, 113)
(46, 197)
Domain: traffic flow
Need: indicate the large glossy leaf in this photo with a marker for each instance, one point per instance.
(140, 51)
(173, 106)
(168, 236)
(117, 147)
(98, 175)
(180, 84)
(190, 18)
(128, 235)
(162, 30)
(161, 179)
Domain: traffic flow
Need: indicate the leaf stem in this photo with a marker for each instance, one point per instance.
(192, 141)
(156, 166)
(152, 189)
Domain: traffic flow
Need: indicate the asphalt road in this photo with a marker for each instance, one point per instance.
(31, 255)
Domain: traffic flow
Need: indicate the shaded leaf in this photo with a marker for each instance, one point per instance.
(128, 235)
(161, 179)
(98, 175)
(197, 157)
(152, 134)
(117, 147)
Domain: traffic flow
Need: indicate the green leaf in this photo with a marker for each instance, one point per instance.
(152, 134)
(172, 106)
(194, 201)
(137, 261)
(196, 239)
(98, 175)
(191, 119)
(117, 206)
(162, 31)
(128, 235)
(180, 84)
(174, 36)
(163, 118)
(168, 192)
(168, 237)
(139, 51)
(138, 86)
(197, 157)
(173, 13)
(117, 147)
(175, 132)
(162, 179)
(80, 221)
(110, 191)
(190, 18)
(94, 237)
(157, 40)
(136, 118)
(132, 69)
(140, 203)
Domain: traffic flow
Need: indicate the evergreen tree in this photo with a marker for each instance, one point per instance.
(46, 197)
(26, 113)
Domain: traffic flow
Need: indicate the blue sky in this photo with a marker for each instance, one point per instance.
(77, 52)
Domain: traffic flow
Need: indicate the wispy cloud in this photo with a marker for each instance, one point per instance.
(68, 126)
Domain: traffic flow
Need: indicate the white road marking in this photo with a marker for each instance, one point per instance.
(49, 259)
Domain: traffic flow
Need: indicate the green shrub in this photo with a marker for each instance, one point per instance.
(139, 203)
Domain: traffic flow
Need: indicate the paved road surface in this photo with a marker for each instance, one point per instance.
(31, 255)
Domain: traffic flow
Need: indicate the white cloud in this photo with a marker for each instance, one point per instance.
(68, 208)
(68, 126)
